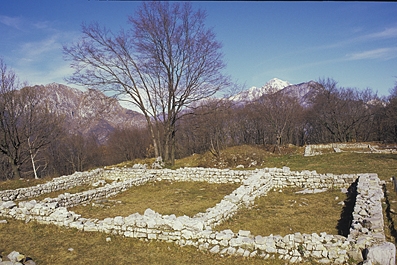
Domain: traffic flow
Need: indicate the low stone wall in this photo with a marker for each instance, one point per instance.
(284, 177)
(317, 149)
(366, 232)
(60, 183)
(281, 178)
(210, 175)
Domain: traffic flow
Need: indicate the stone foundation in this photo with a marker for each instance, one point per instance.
(366, 231)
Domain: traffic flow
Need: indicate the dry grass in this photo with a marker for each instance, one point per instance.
(73, 190)
(48, 245)
(21, 183)
(164, 197)
(283, 213)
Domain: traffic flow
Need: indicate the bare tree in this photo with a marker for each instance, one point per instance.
(341, 114)
(126, 144)
(40, 125)
(26, 127)
(10, 138)
(279, 113)
(388, 123)
(165, 62)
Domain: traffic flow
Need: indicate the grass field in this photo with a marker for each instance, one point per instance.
(276, 213)
(164, 197)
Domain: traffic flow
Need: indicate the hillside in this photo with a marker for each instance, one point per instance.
(88, 112)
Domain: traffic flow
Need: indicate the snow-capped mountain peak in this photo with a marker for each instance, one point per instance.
(254, 93)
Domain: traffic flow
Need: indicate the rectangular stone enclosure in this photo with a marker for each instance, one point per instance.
(365, 234)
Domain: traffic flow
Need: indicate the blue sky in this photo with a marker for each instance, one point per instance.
(355, 43)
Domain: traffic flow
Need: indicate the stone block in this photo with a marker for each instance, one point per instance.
(215, 249)
(384, 254)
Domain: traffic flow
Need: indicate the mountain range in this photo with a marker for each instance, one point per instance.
(92, 112)
(304, 92)
(255, 93)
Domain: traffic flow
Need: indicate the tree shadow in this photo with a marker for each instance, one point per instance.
(346, 217)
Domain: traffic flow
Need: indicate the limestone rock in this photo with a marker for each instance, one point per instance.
(13, 256)
(383, 254)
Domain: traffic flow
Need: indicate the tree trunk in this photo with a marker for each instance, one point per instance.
(153, 136)
(32, 158)
(15, 169)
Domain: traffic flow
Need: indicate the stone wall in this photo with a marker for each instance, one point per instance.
(318, 149)
(60, 183)
(366, 231)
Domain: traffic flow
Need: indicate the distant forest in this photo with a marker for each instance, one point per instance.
(37, 143)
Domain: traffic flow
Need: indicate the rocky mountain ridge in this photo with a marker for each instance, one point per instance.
(254, 93)
(91, 112)
(304, 92)
(88, 112)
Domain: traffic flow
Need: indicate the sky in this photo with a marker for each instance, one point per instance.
(354, 43)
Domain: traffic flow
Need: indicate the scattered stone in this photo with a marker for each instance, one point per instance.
(139, 166)
(310, 191)
(158, 164)
(3, 222)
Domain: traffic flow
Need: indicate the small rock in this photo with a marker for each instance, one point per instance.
(108, 239)
(21, 257)
(70, 249)
(3, 221)
(13, 256)
(343, 190)
(30, 262)
(7, 262)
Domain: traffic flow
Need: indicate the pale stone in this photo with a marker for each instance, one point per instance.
(119, 220)
(215, 249)
(244, 233)
(8, 204)
(13, 256)
(382, 254)
(240, 252)
(231, 250)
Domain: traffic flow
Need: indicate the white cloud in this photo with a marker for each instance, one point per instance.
(14, 22)
(385, 34)
(32, 50)
(381, 53)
